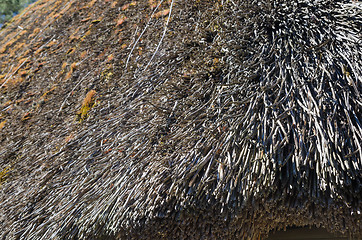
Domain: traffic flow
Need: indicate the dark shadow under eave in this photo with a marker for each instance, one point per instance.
(306, 233)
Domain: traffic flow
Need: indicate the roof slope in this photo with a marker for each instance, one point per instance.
(180, 119)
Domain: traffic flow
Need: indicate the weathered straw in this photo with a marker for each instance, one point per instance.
(241, 117)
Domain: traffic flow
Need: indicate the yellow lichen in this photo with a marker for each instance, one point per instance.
(2, 77)
(47, 92)
(86, 34)
(2, 124)
(96, 21)
(52, 43)
(113, 5)
(23, 73)
(73, 66)
(64, 65)
(74, 35)
(4, 174)
(69, 74)
(88, 103)
(83, 54)
(90, 4)
(27, 116)
(71, 50)
(121, 20)
(110, 57)
(162, 13)
(86, 19)
(35, 32)
(107, 74)
(69, 138)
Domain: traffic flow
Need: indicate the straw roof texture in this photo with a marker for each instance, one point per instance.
(180, 119)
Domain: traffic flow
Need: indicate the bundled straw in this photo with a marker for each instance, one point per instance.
(239, 117)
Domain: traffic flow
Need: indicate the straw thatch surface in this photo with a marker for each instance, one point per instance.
(180, 119)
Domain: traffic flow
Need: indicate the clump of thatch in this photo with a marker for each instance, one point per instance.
(217, 120)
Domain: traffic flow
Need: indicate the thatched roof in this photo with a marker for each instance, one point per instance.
(180, 119)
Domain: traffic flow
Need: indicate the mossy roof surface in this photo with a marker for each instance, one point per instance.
(180, 119)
